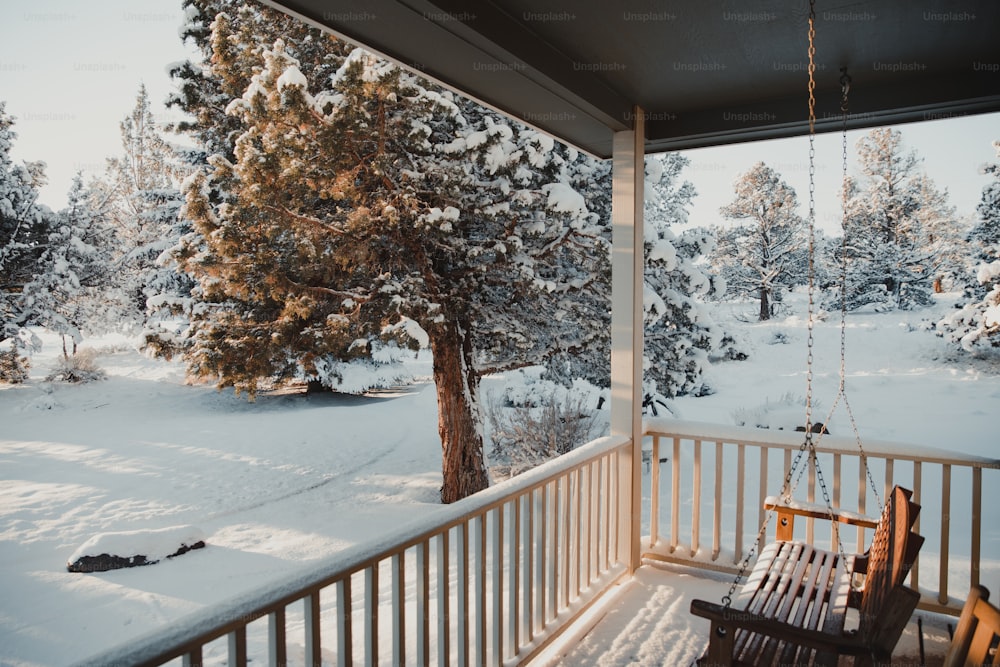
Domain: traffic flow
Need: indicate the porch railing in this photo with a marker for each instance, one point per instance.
(705, 481)
(489, 580)
(494, 578)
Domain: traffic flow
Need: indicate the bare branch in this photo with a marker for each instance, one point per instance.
(340, 294)
(308, 219)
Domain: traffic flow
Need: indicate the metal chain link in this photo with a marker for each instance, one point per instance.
(811, 318)
(845, 88)
(727, 599)
(785, 494)
(812, 219)
(812, 284)
(788, 487)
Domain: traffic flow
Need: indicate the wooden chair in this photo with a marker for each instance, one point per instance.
(978, 633)
(794, 607)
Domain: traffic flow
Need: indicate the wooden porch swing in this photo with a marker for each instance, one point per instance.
(799, 603)
(802, 605)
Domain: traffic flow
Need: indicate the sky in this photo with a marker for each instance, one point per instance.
(71, 75)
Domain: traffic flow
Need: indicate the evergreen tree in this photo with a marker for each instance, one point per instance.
(141, 197)
(232, 36)
(65, 294)
(943, 236)
(764, 256)
(23, 229)
(894, 213)
(985, 235)
(373, 213)
(583, 348)
(681, 336)
(976, 325)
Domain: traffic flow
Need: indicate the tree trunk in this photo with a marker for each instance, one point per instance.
(892, 286)
(462, 465)
(765, 306)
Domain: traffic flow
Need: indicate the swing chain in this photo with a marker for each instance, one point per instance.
(808, 443)
(812, 218)
(727, 599)
(845, 87)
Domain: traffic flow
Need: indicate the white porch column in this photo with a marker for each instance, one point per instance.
(628, 176)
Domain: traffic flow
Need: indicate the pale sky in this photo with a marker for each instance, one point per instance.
(70, 72)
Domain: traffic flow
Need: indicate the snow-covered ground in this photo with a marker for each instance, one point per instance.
(291, 478)
(271, 484)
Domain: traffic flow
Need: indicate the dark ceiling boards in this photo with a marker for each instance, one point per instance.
(705, 73)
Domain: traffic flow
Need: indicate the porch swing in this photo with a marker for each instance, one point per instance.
(802, 605)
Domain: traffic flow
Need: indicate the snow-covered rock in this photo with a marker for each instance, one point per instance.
(113, 551)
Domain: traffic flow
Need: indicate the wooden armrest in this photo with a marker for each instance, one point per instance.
(817, 511)
(725, 622)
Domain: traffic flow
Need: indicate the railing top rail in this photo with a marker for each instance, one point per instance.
(211, 623)
(828, 444)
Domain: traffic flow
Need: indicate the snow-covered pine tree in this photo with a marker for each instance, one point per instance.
(944, 236)
(66, 293)
(375, 211)
(141, 196)
(976, 325)
(231, 36)
(582, 348)
(23, 228)
(681, 337)
(546, 287)
(166, 288)
(890, 262)
(765, 254)
(986, 233)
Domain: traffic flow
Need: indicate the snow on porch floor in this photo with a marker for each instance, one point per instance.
(647, 622)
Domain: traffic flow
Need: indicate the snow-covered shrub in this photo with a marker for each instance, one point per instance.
(655, 404)
(525, 436)
(384, 368)
(779, 338)
(732, 348)
(79, 367)
(13, 367)
(532, 388)
(976, 325)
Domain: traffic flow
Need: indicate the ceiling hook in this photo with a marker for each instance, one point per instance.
(845, 87)
(845, 81)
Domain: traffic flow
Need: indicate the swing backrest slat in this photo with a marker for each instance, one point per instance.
(893, 550)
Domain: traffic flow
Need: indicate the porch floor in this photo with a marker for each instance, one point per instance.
(646, 621)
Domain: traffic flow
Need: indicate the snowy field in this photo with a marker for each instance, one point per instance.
(292, 478)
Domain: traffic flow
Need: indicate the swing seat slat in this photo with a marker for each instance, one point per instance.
(794, 608)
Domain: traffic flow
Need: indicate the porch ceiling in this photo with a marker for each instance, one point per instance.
(706, 72)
